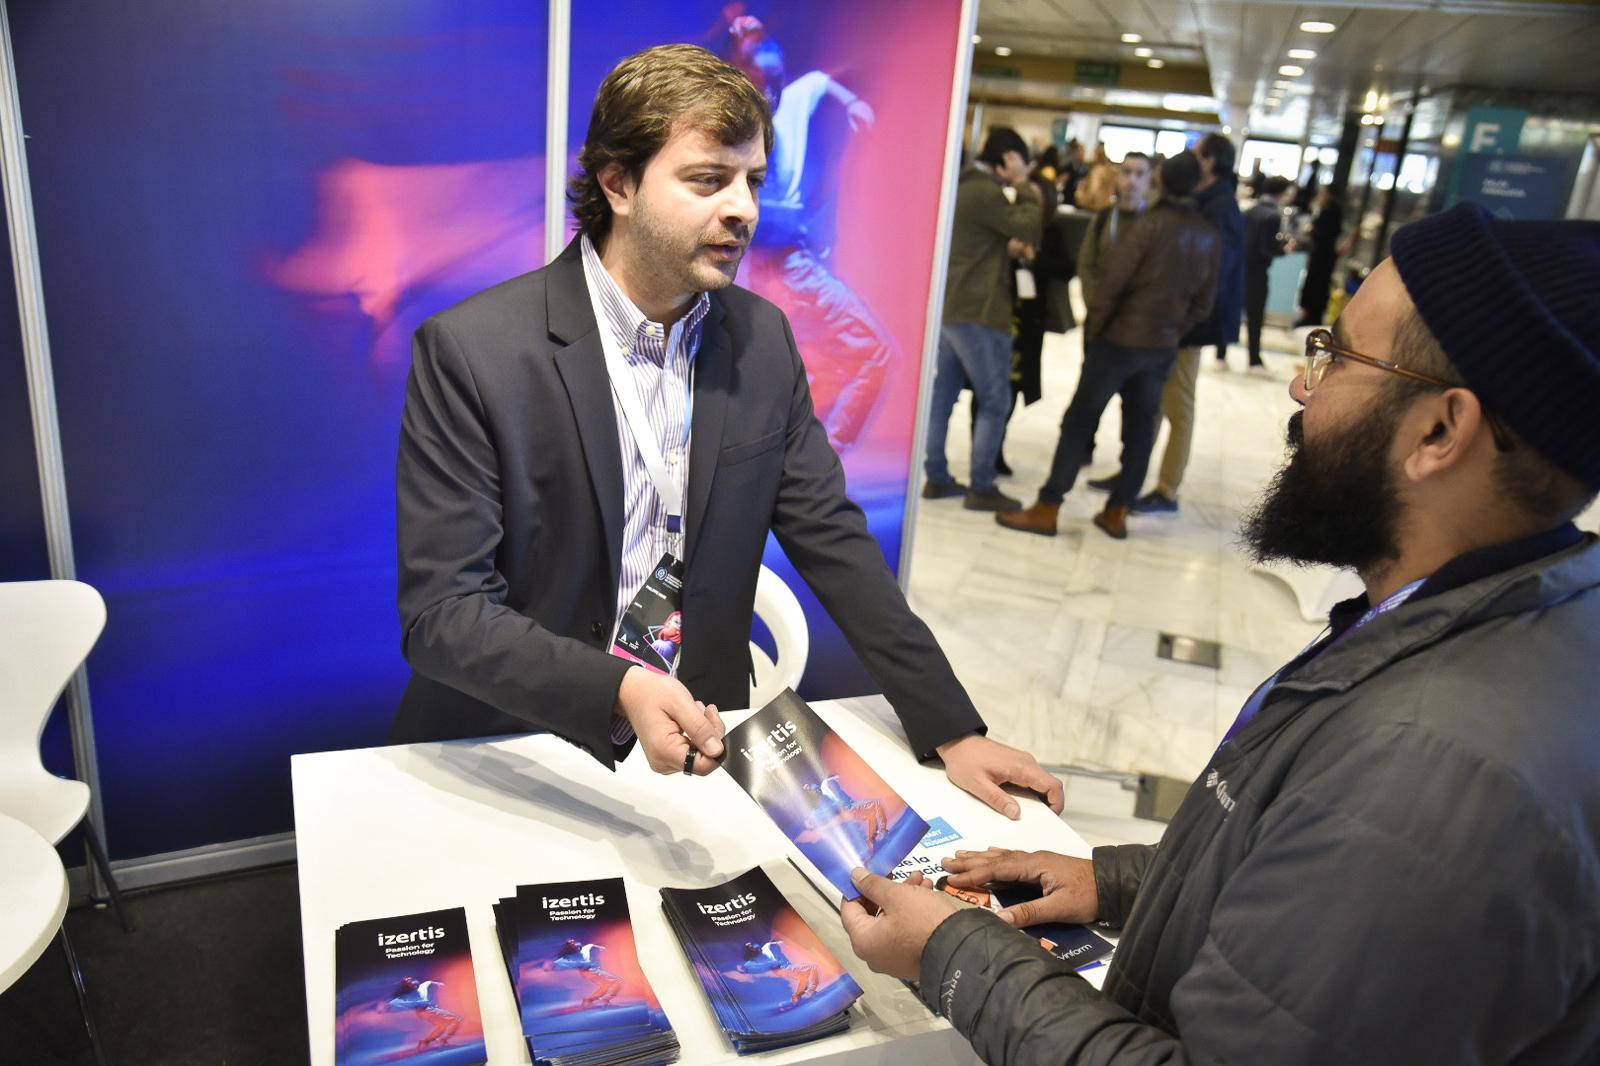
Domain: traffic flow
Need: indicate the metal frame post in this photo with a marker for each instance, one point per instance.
(558, 53)
(42, 404)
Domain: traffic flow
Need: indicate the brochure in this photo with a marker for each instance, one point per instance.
(821, 794)
(771, 981)
(405, 991)
(581, 993)
(1069, 942)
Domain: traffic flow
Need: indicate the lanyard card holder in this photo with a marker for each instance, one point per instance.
(651, 630)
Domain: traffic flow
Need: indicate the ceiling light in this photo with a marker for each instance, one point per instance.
(1227, 129)
(1001, 50)
(1144, 53)
(1371, 102)
(1131, 38)
(1318, 27)
(1280, 84)
(1155, 64)
(1289, 70)
(1302, 53)
(977, 39)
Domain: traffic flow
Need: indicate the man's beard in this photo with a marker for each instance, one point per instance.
(677, 261)
(1335, 503)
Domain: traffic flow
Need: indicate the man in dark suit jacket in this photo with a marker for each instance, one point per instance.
(512, 472)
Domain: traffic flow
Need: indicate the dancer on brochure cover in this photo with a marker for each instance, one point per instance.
(821, 794)
(770, 958)
(422, 998)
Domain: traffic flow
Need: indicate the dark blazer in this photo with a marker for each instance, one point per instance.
(511, 521)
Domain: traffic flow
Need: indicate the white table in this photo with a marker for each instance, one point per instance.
(398, 830)
(33, 888)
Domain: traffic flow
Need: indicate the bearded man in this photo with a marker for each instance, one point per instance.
(1394, 856)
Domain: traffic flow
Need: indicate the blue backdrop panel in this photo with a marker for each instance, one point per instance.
(24, 552)
(243, 211)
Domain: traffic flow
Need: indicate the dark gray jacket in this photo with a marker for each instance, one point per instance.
(1397, 861)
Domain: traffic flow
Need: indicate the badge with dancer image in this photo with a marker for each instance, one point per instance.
(651, 630)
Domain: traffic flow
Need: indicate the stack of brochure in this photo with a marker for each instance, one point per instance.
(770, 979)
(405, 990)
(583, 997)
(822, 795)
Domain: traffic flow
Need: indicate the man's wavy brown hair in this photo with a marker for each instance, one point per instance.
(643, 101)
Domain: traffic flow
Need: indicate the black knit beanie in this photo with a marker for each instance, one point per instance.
(1516, 307)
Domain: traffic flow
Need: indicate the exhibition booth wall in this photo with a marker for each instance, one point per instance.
(242, 215)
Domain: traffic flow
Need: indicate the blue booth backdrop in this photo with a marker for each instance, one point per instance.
(243, 212)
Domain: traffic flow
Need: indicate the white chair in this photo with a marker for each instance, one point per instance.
(46, 631)
(33, 884)
(781, 613)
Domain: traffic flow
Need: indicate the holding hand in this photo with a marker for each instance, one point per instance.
(1067, 883)
(892, 940)
(982, 766)
(667, 719)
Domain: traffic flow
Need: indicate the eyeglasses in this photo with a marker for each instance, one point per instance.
(1321, 352)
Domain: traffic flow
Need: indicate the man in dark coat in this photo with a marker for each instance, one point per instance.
(1216, 198)
(1394, 856)
(1263, 243)
(1326, 225)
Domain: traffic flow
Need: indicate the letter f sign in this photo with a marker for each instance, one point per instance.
(1485, 135)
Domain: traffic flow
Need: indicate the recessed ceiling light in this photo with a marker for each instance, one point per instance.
(1001, 50)
(1155, 64)
(1144, 53)
(1289, 70)
(1131, 38)
(977, 38)
(1302, 53)
(1318, 27)
(1227, 129)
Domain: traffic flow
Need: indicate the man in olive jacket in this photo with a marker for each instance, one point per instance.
(997, 212)
(1394, 857)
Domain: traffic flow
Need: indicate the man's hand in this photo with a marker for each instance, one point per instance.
(1067, 883)
(661, 712)
(981, 766)
(892, 940)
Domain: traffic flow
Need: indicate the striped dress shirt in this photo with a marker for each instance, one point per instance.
(659, 363)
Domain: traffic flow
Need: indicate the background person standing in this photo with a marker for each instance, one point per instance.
(997, 212)
(1326, 225)
(1160, 281)
(1216, 198)
(1263, 242)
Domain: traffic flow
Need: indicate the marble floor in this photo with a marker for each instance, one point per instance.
(1056, 638)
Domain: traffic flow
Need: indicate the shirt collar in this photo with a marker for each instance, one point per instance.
(635, 333)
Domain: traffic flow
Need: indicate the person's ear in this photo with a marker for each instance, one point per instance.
(618, 188)
(1446, 427)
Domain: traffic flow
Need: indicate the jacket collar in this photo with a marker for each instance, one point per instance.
(580, 360)
(1424, 621)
